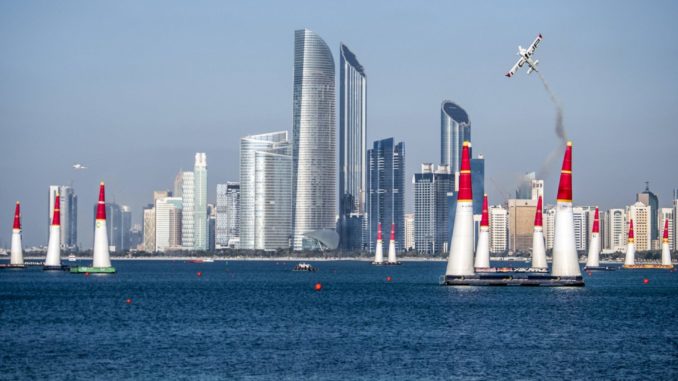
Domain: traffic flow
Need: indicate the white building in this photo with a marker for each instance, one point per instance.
(167, 223)
(641, 216)
(265, 191)
(200, 231)
(409, 231)
(583, 222)
(188, 211)
(664, 214)
(537, 189)
(549, 226)
(498, 229)
(616, 230)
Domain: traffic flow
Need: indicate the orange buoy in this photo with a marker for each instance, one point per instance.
(199, 273)
(388, 278)
(129, 301)
(318, 286)
(646, 281)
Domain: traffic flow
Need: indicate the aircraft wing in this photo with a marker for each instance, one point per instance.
(533, 47)
(515, 67)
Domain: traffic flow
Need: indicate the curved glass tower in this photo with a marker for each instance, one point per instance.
(314, 152)
(352, 149)
(455, 128)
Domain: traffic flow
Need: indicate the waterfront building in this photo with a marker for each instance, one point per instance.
(520, 224)
(455, 129)
(188, 211)
(201, 229)
(314, 153)
(478, 178)
(616, 230)
(549, 216)
(352, 149)
(265, 191)
(642, 225)
(168, 214)
(668, 214)
(149, 228)
(409, 232)
(227, 224)
(431, 189)
(386, 190)
(126, 220)
(650, 199)
(498, 229)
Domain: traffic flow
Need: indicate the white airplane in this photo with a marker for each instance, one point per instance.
(525, 57)
(78, 166)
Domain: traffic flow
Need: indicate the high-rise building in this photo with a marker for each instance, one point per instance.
(314, 152)
(265, 191)
(188, 211)
(650, 199)
(68, 214)
(498, 229)
(642, 225)
(549, 221)
(616, 229)
(675, 219)
(149, 228)
(409, 231)
(178, 185)
(667, 214)
(168, 214)
(126, 218)
(581, 228)
(227, 224)
(386, 190)
(211, 227)
(431, 223)
(221, 223)
(201, 228)
(352, 149)
(537, 189)
(478, 179)
(136, 237)
(521, 224)
(455, 129)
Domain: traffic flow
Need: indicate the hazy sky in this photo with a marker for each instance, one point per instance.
(134, 88)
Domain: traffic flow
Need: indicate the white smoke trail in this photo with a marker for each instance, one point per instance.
(547, 165)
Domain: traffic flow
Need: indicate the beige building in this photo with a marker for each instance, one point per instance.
(641, 216)
(521, 224)
(409, 231)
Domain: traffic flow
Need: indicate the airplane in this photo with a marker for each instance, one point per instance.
(78, 166)
(525, 57)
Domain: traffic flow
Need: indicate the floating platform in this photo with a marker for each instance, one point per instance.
(8, 266)
(490, 270)
(92, 270)
(648, 266)
(386, 263)
(56, 268)
(600, 268)
(512, 280)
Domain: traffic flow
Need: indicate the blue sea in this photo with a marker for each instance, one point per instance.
(258, 320)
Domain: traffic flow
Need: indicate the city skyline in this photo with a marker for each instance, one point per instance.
(131, 179)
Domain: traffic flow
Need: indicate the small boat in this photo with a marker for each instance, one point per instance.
(201, 260)
(72, 258)
(304, 267)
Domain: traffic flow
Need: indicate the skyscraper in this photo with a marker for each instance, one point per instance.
(188, 211)
(149, 228)
(168, 223)
(113, 225)
(478, 178)
(617, 230)
(352, 149)
(265, 191)
(68, 214)
(498, 229)
(221, 226)
(386, 189)
(314, 158)
(455, 129)
(650, 199)
(200, 204)
(642, 225)
(126, 220)
(431, 208)
(409, 231)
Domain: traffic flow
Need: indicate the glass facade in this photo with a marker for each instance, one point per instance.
(265, 191)
(69, 214)
(352, 149)
(200, 220)
(431, 190)
(314, 153)
(188, 214)
(455, 129)
(386, 191)
(478, 183)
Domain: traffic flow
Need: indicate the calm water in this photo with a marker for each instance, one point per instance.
(259, 320)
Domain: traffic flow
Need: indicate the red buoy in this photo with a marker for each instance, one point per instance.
(86, 274)
(199, 274)
(318, 286)
(388, 278)
(129, 301)
(646, 281)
